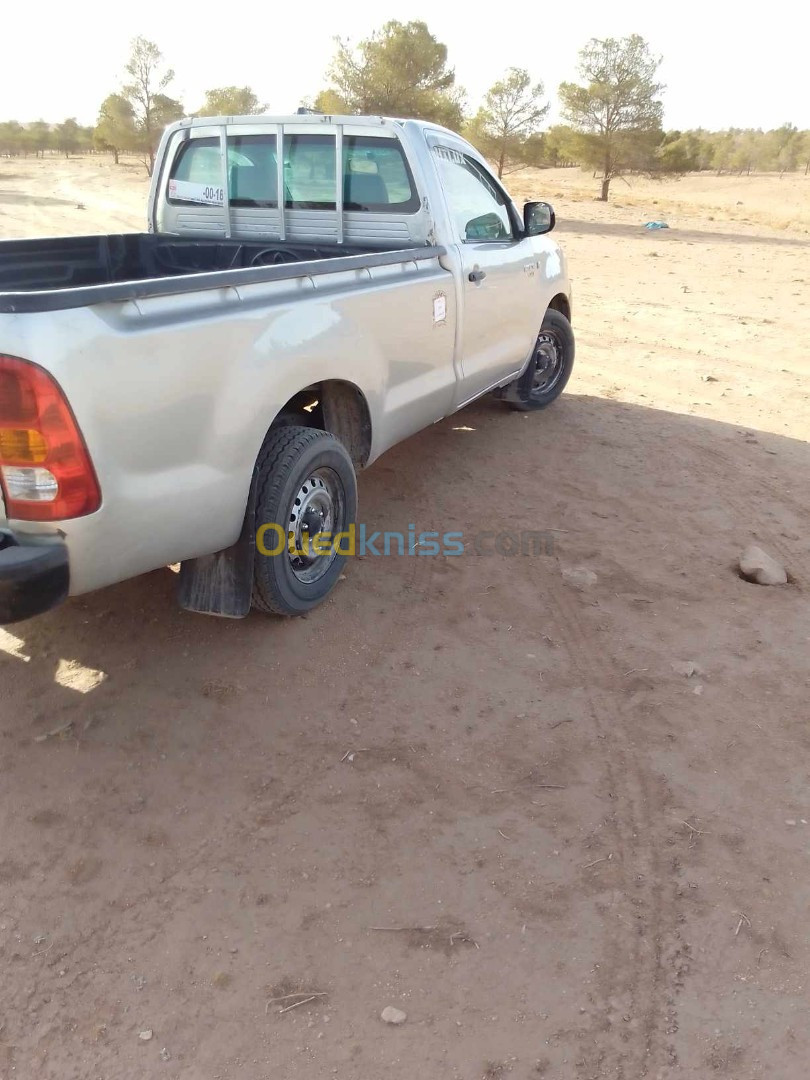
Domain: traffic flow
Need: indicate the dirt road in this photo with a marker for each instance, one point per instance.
(475, 788)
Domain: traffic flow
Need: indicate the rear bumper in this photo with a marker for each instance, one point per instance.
(34, 577)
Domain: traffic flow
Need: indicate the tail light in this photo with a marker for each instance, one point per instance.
(45, 470)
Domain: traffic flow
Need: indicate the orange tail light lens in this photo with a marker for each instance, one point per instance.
(45, 469)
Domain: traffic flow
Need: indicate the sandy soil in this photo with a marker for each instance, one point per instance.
(585, 863)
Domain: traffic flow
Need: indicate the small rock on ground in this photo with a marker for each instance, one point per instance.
(580, 577)
(758, 566)
(686, 667)
(392, 1015)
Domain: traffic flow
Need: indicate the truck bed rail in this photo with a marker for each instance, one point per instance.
(68, 272)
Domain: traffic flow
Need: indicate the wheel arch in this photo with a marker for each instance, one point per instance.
(561, 303)
(336, 406)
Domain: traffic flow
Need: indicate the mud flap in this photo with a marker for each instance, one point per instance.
(222, 583)
(518, 389)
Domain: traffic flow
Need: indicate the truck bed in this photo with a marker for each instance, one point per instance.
(75, 271)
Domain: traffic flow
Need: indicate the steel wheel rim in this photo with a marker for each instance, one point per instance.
(319, 506)
(549, 361)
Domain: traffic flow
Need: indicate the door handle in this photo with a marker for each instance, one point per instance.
(476, 275)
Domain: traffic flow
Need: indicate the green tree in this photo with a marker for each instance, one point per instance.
(152, 109)
(722, 150)
(679, 152)
(68, 137)
(534, 152)
(12, 138)
(560, 145)
(39, 137)
(231, 101)
(115, 127)
(703, 148)
(511, 113)
(165, 111)
(86, 140)
(803, 150)
(615, 109)
(331, 103)
(745, 151)
(692, 149)
(784, 148)
(401, 70)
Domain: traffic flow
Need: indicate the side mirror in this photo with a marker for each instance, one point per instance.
(538, 218)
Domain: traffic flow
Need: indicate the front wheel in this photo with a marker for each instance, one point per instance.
(550, 366)
(306, 497)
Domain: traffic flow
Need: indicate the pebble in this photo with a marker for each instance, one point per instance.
(392, 1015)
(580, 577)
(686, 667)
(146, 1035)
(758, 566)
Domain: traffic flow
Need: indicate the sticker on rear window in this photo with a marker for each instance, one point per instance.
(207, 194)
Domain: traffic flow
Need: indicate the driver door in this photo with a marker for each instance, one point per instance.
(500, 313)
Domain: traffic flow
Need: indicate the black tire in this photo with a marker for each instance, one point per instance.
(301, 471)
(550, 366)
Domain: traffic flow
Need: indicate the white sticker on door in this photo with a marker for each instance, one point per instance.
(206, 194)
(439, 308)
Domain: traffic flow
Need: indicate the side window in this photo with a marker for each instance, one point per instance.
(477, 207)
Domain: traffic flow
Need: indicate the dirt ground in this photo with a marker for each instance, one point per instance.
(471, 788)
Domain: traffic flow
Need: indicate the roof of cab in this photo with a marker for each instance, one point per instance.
(314, 119)
(306, 120)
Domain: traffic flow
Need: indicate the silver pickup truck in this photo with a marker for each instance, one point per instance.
(311, 290)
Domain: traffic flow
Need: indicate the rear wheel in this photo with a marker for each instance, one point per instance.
(550, 366)
(306, 488)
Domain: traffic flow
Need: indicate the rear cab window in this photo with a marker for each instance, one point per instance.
(376, 174)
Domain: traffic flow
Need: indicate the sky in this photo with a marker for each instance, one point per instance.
(721, 65)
